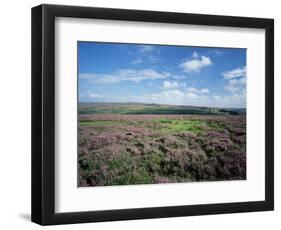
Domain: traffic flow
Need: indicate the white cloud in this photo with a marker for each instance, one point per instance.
(196, 64)
(148, 54)
(235, 73)
(197, 91)
(205, 90)
(139, 75)
(191, 96)
(236, 86)
(175, 97)
(94, 95)
(194, 97)
(236, 80)
(182, 84)
(178, 97)
(195, 55)
(164, 96)
(171, 93)
(177, 77)
(241, 81)
(137, 61)
(229, 101)
(216, 52)
(170, 85)
(146, 48)
(152, 59)
(123, 75)
(127, 75)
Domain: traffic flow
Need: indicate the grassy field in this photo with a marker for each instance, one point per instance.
(138, 108)
(122, 144)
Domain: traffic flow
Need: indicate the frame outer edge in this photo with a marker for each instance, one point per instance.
(269, 129)
(43, 108)
(48, 115)
(36, 114)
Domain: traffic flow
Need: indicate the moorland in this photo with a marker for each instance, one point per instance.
(134, 143)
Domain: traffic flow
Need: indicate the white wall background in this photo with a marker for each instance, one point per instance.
(15, 113)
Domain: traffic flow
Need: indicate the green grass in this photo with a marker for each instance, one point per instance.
(163, 124)
(175, 125)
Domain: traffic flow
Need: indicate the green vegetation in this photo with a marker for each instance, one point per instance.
(194, 126)
(135, 108)
(162, 125)
(145, 149)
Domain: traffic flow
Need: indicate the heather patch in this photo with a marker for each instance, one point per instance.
(160, 149)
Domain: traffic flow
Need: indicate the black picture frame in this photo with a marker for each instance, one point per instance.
(43, 114)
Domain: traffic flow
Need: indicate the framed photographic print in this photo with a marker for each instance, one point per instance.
(142, 114)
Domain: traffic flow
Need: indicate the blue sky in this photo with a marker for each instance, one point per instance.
(178, 75)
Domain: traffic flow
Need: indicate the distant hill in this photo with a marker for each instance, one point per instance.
(140, 108)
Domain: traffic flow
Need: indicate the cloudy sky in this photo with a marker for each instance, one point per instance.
(178, 75)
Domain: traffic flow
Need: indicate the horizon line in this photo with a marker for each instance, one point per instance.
(97, 102)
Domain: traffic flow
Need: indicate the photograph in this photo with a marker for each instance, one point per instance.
(150, 114)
